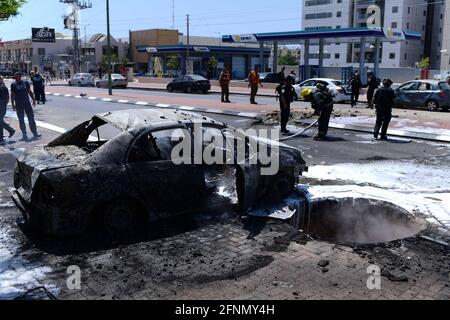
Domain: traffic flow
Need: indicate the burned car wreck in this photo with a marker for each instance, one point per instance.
(81, 178)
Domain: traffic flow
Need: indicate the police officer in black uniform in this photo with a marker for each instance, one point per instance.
(287, 93)
(384, 101)
(322, 99)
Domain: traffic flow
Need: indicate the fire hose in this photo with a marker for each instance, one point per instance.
(301, 132)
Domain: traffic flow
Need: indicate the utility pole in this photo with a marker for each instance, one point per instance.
(109, 49)
(188, 45)
(173, 14)
(85, 45)
(72, 21)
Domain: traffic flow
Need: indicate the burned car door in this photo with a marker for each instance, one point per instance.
(165, 187)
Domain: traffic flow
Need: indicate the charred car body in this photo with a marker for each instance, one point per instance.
(130, 179)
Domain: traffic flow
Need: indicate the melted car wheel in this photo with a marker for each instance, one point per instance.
(121, 218)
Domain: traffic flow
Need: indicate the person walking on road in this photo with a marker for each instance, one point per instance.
(254, 83)
(323, 100)
(286, 92)
(224, 80)
(38, 87)
(372, 87)
(384, 102)
(356, 84)
(20, 99)
(4, 100)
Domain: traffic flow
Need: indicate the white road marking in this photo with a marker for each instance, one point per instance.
(246, 114)
(56, 94)
(141, 103)
(107, 100)
(160, 105)
(92, 98)
(67, 95)
(186, 108)
(123, 101)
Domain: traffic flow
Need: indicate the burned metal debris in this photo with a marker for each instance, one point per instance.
(129, 179)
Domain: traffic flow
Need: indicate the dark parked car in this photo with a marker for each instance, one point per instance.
(270, 77)
(133, 178)
(189, 83)
(428, 94)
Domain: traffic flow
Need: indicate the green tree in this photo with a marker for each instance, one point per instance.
(288, 60)
(173, 63)
(424, 63)
(212, 66)
(10, 8)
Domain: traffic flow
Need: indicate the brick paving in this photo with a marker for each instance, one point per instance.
(217, 261)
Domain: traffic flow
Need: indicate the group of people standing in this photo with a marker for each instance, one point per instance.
(21, 97)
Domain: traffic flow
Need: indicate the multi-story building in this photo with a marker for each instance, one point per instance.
(409, 15)
(25, 55)
(437, 40)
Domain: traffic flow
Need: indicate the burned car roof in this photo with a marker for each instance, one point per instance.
(125, 120)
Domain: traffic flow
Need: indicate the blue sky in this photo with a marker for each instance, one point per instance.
(208, 17)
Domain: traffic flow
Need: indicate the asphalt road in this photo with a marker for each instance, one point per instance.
(342, 147)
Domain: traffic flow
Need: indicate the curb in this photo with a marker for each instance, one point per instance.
(162, 89)
(251, 115)
(391, 132)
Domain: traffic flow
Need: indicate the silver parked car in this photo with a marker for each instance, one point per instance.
(118, 81)
(429, 94)
(82, 79)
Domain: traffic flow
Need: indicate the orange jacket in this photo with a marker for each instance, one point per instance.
(254, 78)
(225, 78)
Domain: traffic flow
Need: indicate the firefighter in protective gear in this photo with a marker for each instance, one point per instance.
(254, 82)
(322, 98)
(384, 101)
(224, 80)
(286, 92)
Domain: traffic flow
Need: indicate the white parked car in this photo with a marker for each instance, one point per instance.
(340, 91)
(118, 81)
(82, 79)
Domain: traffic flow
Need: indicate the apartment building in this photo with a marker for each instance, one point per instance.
(437, 40)
(398, 15)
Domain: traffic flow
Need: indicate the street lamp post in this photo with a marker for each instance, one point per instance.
(109, 49)
(85, 45)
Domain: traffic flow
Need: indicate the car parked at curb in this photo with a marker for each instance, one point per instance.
(431, 95)
(190, 83)
(118, 81)
(133, 177)
(82, 79)
(341, 92)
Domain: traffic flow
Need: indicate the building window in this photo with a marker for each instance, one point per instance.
(339, 14)
(337, 56)
(338, 27)
(425, 13)
(323, 15)
(311, 3)
(391, 55)
(406, 56)
(407, 25)
(394, 25)
(41, 51)
(339, 1)
(409, 10)
(395, 9)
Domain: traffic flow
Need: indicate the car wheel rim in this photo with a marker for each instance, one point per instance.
(432, 106)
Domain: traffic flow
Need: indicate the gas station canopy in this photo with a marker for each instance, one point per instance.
(328, 36)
